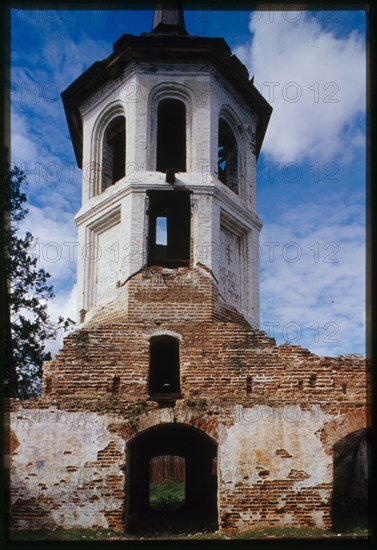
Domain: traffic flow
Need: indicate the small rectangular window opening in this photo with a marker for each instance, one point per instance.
(116, 385)
(164, 378)
(169, 228)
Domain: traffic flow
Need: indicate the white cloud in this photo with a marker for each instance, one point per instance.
(325, 74)
(64, 304)
(55, 245)
(55, 242)
(317, 300)
(68, 59)
(22, 146)
(40, 146)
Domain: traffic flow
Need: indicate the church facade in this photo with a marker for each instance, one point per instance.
(168, 358)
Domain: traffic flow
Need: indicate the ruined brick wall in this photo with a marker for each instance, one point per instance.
(157, 294)
(66, 470)
(270, 409)
(68, 461)
(218, 360)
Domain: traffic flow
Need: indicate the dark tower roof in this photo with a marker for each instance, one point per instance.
(169, 19)
(168, 42)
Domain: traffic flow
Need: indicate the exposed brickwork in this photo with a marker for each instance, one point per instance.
(267, 420)
(216, 359)
(275, 504)
(11, 442)
(269, 409)
(157, 294)
(109, 455)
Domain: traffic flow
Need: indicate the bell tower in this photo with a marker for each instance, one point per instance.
(167, 131)
(168, 366)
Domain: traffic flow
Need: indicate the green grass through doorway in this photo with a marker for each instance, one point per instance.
(169, 495)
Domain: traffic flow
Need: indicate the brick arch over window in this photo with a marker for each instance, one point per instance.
(175, 100)
(108, 149)
(230, 151)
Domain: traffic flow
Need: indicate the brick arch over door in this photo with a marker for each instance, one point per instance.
(207, 425)
(343, 425)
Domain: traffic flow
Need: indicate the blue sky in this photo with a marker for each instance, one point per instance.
(311, 172)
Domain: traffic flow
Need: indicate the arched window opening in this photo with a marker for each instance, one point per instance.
(114, 152)
(164, 376)
(169, 228)
(167, 482)
(227, 160)
(171, 136)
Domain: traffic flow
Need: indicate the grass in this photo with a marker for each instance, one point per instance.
(297, 533)
(107, 534)
(69, 534)
(167, 496)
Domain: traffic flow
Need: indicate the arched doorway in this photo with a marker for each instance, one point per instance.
(351, 481)
(199, 506)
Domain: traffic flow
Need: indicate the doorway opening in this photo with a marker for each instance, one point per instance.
(349, 507)
(193, 505)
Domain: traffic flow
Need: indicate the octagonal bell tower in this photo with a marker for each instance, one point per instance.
(168, 365)
(167, 131)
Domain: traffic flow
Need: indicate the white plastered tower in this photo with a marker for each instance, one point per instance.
(167, 131)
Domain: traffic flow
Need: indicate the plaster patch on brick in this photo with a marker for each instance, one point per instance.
(250, 441)
(67, 494)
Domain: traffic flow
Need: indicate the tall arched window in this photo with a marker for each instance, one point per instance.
(227, 156)
(164, 379)
(171, 136)
(114, 152)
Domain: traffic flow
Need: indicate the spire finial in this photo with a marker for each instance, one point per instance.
(168, 18)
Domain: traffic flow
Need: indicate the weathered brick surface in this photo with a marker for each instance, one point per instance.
(276, 504)
(270, 409)
(217, 360)
(275, 413)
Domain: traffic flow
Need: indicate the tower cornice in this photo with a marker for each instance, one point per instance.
(163, 48)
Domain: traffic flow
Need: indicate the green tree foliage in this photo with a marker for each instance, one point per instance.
(27, 293)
